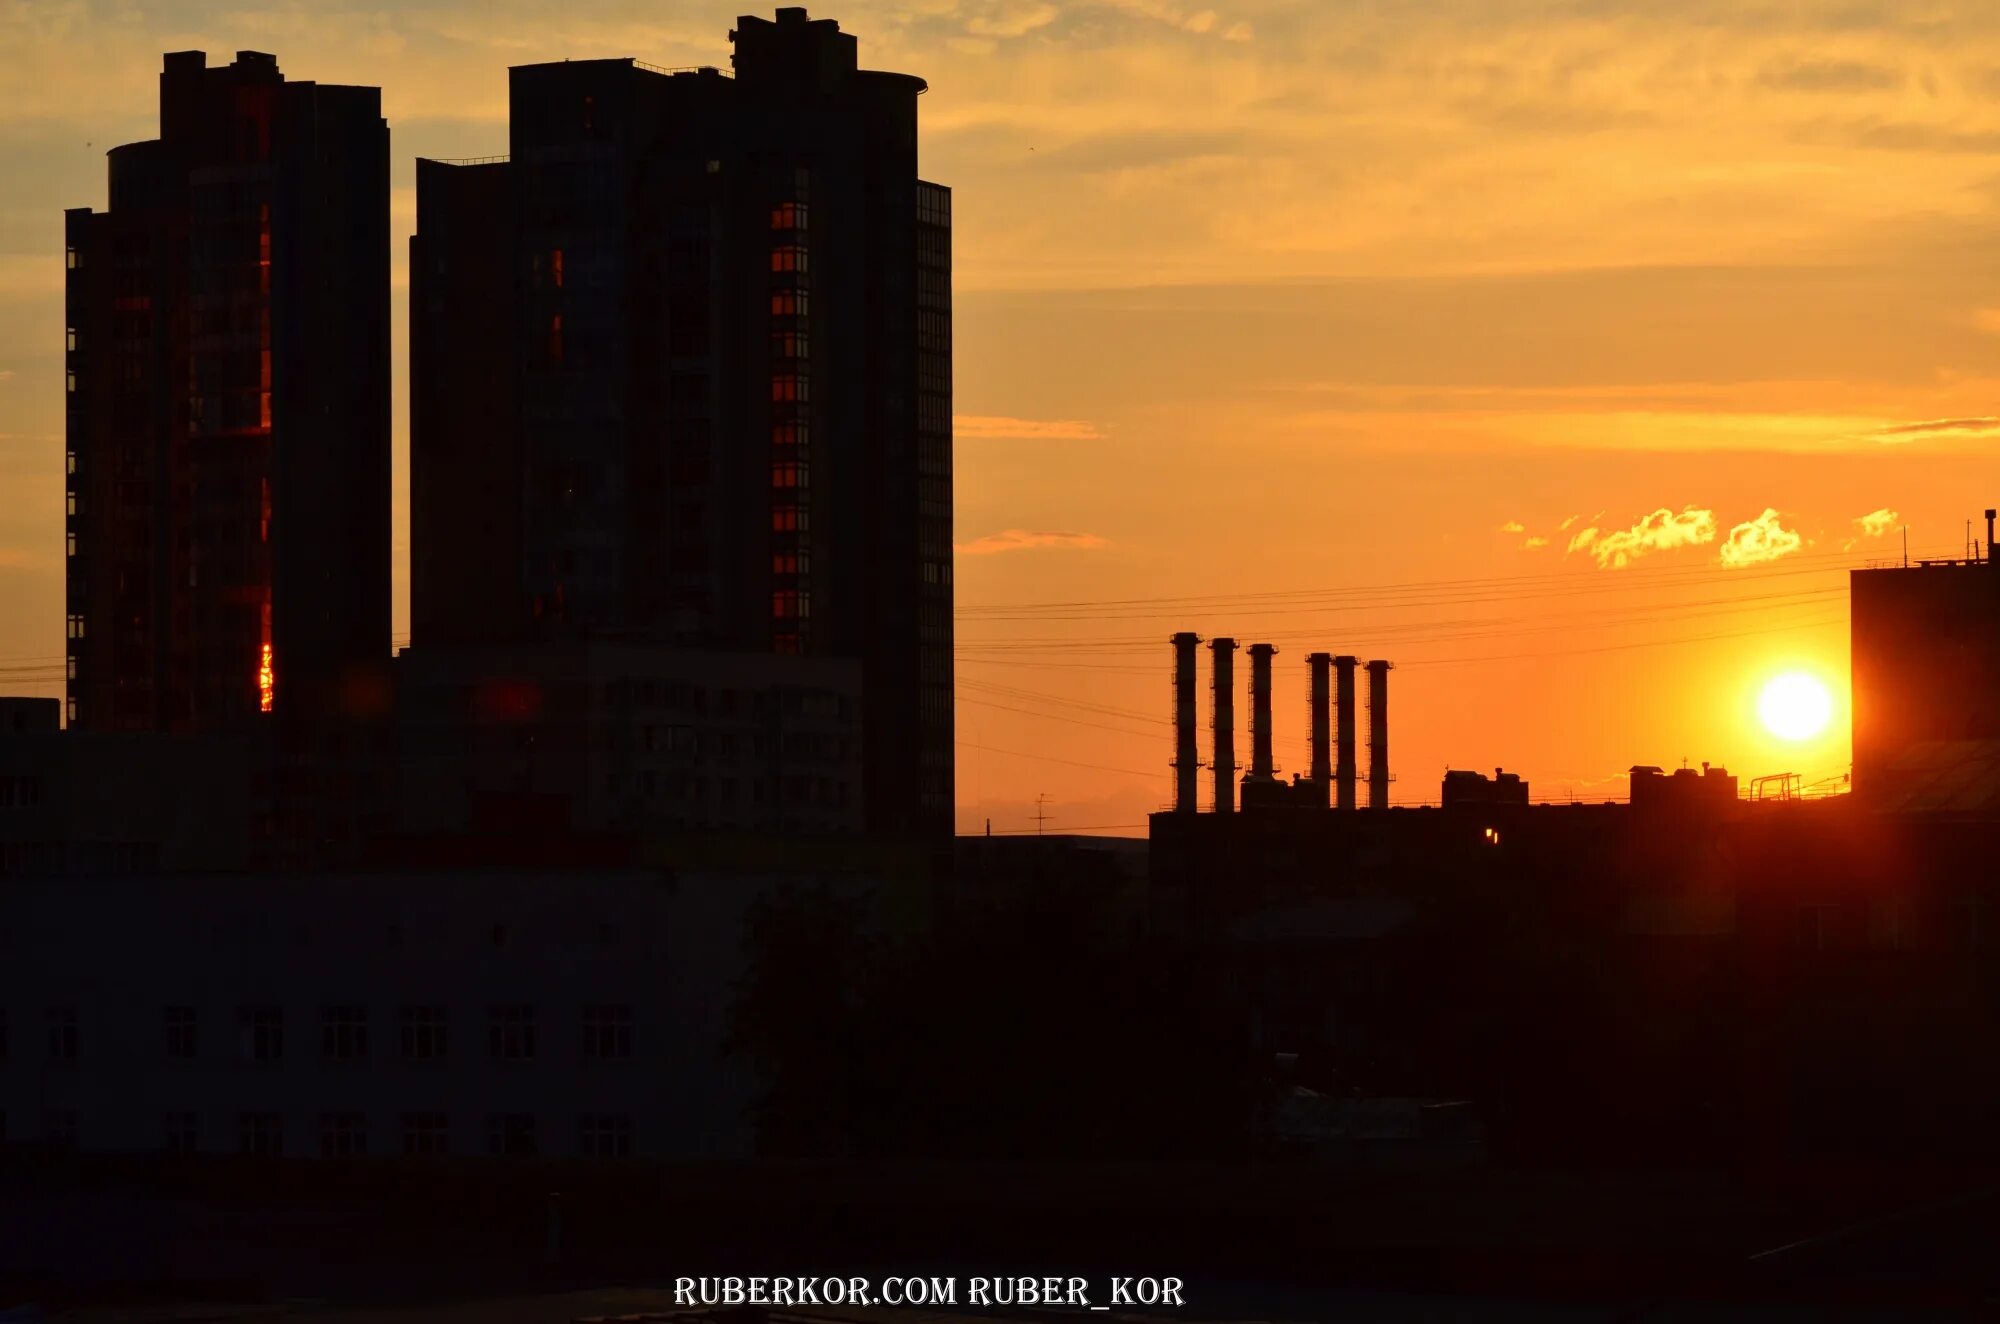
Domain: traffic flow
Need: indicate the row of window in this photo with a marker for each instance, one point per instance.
(424, 1032)
(347, 1134)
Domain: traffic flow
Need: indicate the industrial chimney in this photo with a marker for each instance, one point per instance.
(1224, 759)
(1989, 534)
(1378, 735)
(1187, 761)
(1343, 773)
(1321, 777)
(1260, 712)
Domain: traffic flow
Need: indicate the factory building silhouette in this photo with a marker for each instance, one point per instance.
(681, 377)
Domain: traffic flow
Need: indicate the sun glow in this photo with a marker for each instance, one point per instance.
(1795, 706)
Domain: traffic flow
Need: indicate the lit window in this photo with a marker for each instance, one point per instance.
(788, 216)
(75, 259)
(70, 543)
(71, 346)
(788, 257)
(72, 503)
(76, 627)
(70, 380)
(556, 267)
(556, 339)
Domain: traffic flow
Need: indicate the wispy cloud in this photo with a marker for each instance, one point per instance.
(1756, 541)
(1661, 531)
(1020, 540)
(1941, 427)
(1878, 522)
(975, 427)
(1874, 524)
(1513, 526)
(1532, 542)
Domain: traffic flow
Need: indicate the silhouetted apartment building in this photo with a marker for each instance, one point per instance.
(681, 372)
(1925, 646)
(228, 405)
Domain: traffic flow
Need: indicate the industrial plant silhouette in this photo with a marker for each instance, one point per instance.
(632, 877)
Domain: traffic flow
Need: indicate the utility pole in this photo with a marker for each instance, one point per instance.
(1040, 816)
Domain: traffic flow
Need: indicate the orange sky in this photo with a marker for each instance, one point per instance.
(1276, 319)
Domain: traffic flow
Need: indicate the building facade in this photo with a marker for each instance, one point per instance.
(228, 405)
(511, 1013)
(682, 372)
(1925, 652)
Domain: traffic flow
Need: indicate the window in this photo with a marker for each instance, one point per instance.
(72, 505)
(179, 1132)
(556, 267)
(607, 1031)
(510, 1135)
(343, 1135)
(789, 387)
(74, 258)
(788, 216)
(69, 462)
(70, 342)
(426, 1133)
(555, 340)
(59, 1128)
(62, 1034)
(790, 345)
(424, 1033)
(790, 303)
(69, 380)
(511, 1031)
(344, 1032)
(260, 1134)
(604, 1135)
(69, 543)
(181, 1042)
(788, 257)
(789, 473)
(263, 1033)
(76, 627)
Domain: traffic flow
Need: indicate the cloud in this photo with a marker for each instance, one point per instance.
(1940, 427)
(1019, 540)
(1759, 540)
(1661, 531)
(976, 427)
(1878, 522)
(1830, 76)
(1513, 526)
(1011, 19)
(1533, 542)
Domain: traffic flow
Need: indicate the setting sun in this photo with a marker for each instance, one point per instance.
(1795, 706)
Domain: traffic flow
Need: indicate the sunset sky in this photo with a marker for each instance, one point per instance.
(1564, 354)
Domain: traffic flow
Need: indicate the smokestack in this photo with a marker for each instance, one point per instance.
(1343, 693)
(1321, 778)
(1260, 711)
(1224, 758)
(1378, 735)
(1187, 762)
(1989, 533)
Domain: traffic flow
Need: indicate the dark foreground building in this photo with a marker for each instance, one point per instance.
(681, 373)
(228, 406)
(1925, 643)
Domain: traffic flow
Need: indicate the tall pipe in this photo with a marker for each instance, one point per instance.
(1187, 760)
(1990, 515)
(1343, 693)
(1260, 711)
(1321, 777)
(1378, 735)
(1224, 758)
